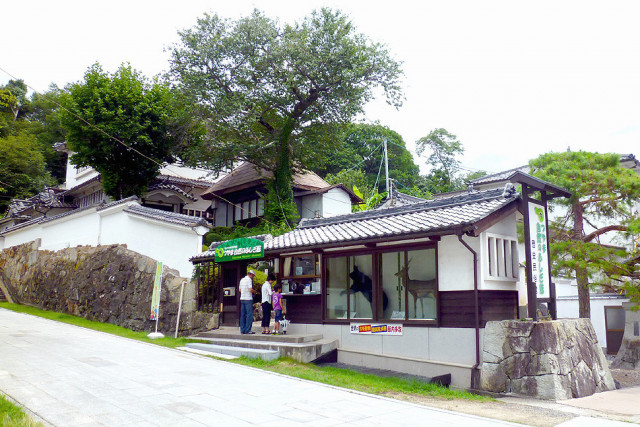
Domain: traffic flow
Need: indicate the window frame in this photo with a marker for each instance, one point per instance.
(375, 254)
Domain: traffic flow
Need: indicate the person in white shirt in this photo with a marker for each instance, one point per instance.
(267, 292)
(246, 303)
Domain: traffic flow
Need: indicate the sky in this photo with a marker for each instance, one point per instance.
(511, 79)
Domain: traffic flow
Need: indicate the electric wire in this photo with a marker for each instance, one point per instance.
(133, 149)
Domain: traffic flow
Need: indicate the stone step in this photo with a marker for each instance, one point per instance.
(252, 353)
(301, 351)
(235, 334)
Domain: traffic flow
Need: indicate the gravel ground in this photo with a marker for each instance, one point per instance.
(626, 377)
(512, 412)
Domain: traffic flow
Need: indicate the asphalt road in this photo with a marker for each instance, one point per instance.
(71, 376)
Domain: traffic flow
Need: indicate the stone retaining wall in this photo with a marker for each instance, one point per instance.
(108, 284)
(555, 360)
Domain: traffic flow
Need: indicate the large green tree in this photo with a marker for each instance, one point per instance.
(121, 125)
(361, 148)
(275, 93)
(593, 236)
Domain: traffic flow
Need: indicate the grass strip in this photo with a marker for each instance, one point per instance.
(340, 377)
(98, 326)
(347, 378)
(11, 415)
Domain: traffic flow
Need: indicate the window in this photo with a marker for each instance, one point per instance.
(349, 284)
(301, 273)
(90, 199)
(249, 209)
(409, 285)
(501, 257)
(403, 287)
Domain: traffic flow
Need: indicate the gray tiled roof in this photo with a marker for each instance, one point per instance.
(172, 187)
(400, 199)
(500, 176)
(48, 198)
(165, 216)
(135, 209)
(428, 217)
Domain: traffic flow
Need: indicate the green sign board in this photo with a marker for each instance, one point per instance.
(237, 249)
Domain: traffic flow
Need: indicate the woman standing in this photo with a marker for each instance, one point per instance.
(267, 292)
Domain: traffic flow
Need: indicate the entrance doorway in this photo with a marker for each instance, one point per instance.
(230, 294)
(614, 324)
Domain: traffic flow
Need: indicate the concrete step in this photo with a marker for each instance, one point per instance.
(298, 347)
(235, 334)
(252, 353)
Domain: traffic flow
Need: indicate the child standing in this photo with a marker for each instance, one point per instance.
(277, 307)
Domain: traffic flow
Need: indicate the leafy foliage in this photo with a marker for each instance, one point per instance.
(361, 146)
(600, 224)
(276, 95)
(22, 169)
(444, 148)
(128, 107)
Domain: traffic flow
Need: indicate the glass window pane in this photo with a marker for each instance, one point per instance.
(391, 305)
(615, 317)
(361, 287)
(336, 288)
(421, 284)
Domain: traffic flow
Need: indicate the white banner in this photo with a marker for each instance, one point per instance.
(155, 296)
(376, 328)
(541, 273)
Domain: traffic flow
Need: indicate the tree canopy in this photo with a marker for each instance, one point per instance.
(596, 233)
(275, 95)
(121, 125)
(361, 148)
(444, 165)
(22, 168)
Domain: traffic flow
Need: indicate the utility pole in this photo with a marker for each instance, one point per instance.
(386, 166)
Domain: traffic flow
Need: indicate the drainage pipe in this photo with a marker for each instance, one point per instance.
(475, 374)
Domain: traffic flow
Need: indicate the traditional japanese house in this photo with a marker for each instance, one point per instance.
(407, 288)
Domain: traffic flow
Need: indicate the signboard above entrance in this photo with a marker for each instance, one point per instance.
(237, 249)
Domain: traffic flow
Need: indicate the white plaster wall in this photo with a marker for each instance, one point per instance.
(425, 343)
(23, 235)
(503, 229)
(309, 205)
(66, 232)
(335, 202)
(73, 178)
(455, 263)
(173, 245)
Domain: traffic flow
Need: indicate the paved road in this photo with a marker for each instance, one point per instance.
(71, 376)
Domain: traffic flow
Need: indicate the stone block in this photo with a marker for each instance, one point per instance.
(547, 360)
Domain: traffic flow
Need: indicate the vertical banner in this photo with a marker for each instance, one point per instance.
(155, 297)
(541, 273)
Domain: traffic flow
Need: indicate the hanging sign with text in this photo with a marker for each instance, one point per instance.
(237, 249)
(538, 243)
(376, 328)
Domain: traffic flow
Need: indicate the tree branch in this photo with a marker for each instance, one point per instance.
(589, 237)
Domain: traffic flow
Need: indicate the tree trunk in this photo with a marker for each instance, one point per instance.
(280, 204)
(582, 276)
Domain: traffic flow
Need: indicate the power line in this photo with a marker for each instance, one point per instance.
(129, 147)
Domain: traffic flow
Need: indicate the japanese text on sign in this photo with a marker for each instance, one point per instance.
(376, 329)
(540, 272)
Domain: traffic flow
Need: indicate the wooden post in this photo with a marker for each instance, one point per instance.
(532, 298)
